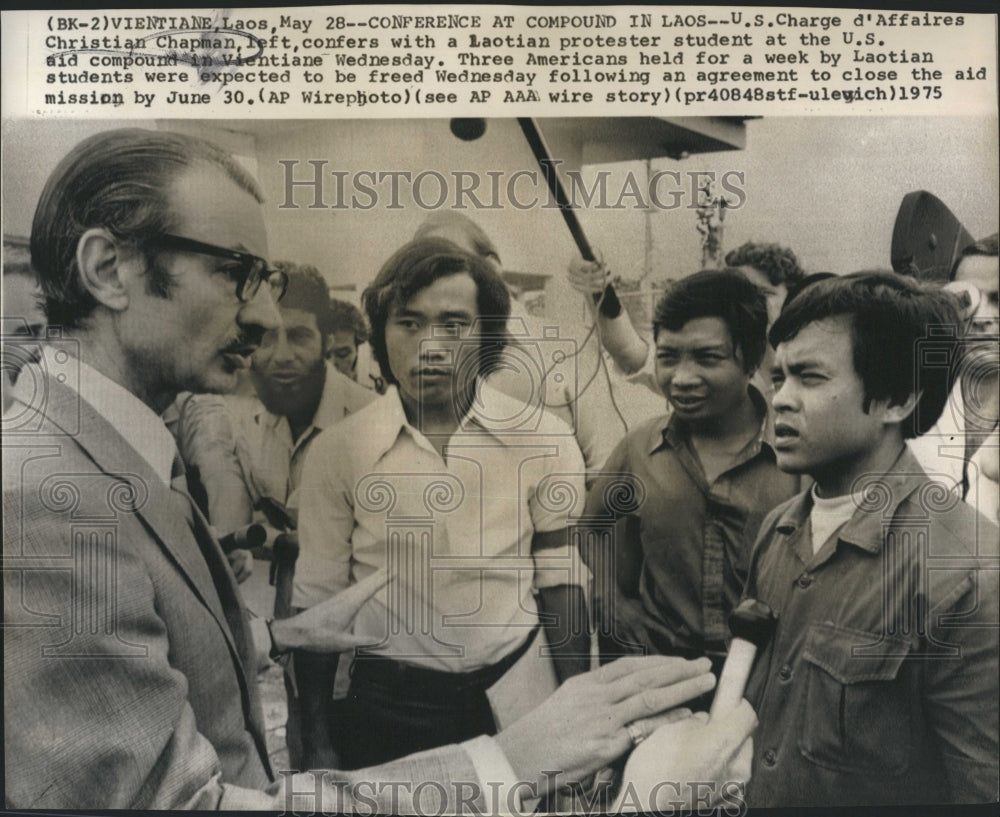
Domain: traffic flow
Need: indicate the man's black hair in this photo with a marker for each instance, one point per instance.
(118, 180)
(726, 294)
(893, 318)
(416, 266)
(778, 263)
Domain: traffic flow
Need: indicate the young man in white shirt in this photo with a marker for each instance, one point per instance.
(463, 491)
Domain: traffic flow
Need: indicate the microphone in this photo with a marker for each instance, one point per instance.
(245, 538)
(753, 624)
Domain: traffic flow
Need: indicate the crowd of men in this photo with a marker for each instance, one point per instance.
(501, 600)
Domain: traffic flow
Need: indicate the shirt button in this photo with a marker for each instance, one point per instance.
(785, 672)
(804, 580)
(770, 756)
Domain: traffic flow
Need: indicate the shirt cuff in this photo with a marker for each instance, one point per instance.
(559, 566)
(503, 793)
(237, 798)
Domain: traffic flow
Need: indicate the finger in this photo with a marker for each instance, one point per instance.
(630, 664)
(655, 701)
(672, 716)
(670, 671)
(649, 725)
(357, 595)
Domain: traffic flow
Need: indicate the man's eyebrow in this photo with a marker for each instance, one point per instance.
(710, 347)
(802, 365)
(458, 313)
(406, 312)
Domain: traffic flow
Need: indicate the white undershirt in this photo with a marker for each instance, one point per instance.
(828, 516)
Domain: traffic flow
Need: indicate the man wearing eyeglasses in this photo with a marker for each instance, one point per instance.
(128, 676)
(124, 644)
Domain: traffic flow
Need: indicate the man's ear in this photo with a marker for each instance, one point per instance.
(99, 261)
(896, 413)
(327, 345)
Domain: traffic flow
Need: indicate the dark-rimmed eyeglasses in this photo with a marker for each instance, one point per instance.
(250, 270)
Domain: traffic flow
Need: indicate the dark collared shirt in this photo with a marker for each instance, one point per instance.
(690, 540)
(880, 684)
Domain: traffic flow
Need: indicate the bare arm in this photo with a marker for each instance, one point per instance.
(563, 612)
(618, 336)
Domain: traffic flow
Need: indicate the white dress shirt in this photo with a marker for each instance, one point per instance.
(138, 424)
(455, 532)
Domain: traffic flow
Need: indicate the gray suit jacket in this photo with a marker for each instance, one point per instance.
(126, 685)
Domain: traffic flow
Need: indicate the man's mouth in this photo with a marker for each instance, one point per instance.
(784, 435)
(686, 401)
(283, 377)
(433, 372)
(238, 354)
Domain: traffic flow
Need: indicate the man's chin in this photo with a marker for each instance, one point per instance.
(791, 464)
(283, 402)
(223, 381)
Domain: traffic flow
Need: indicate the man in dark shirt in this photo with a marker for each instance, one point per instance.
(880, 683)
(690, 488)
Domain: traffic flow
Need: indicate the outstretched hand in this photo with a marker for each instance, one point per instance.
(326, 627)
(584, 725)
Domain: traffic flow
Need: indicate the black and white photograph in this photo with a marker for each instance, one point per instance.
(562, 459)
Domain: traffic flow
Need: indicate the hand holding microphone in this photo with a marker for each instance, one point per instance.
(753, 624)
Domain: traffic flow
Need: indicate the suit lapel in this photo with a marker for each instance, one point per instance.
(155, 504)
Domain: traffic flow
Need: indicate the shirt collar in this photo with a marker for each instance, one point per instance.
(879, 499)
(671, 431)
(332, 404)
(491, 411)
(137, 423)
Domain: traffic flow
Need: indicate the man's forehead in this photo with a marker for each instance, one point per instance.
(698, 332)
(449, 293)
(982, 270)
(210, 206)
(818, 340)
(294, 317)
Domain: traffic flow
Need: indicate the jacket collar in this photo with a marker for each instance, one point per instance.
(144, 492)
(878, 499)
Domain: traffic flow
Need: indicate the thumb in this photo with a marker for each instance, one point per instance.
(352, 641)
(357, 595)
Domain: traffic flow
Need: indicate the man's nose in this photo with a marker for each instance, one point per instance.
(433, 352)
(685, 374)
(783, 398)
(261, 310)
(281, 352)
(439, 345)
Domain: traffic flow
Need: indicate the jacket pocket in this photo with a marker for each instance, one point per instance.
(857, 715)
